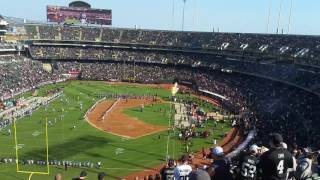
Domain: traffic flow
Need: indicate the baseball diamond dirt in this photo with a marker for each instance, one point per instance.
(117, 123)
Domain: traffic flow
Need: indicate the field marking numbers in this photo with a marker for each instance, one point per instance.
(19, 146)
(36, 133)
(119, 151)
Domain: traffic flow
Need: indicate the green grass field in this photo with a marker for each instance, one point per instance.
(119, 156)
(158, 114)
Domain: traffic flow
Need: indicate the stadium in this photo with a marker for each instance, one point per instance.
(124, 103)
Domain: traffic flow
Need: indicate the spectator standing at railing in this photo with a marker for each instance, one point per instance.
(304, 165)
(274, 164)
(248, 164)
(167, 172)
(182, 171)
(101, 176)
(220, 168)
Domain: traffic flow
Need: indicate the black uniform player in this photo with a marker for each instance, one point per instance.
(167, 173)
(248, 164)
(274, 163)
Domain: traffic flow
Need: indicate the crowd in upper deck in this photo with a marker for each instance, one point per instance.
(291, 73)
(304, 49)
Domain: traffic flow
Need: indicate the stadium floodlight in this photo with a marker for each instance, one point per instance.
(184, 6)
(17, 153)
(290, 16)
(172, 14)
(269, 13)
(279, 16)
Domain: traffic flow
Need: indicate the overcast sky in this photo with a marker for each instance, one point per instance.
(200, 15)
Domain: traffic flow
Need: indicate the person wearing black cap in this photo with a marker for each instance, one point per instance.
(274, 163)
(167, 172)
(101, 176)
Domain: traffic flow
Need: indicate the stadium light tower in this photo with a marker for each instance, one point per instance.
(184, 6)
(172, 15)
(290, 16)
(279, 17)
(269, 13)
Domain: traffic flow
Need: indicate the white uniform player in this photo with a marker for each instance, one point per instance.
(181, 172)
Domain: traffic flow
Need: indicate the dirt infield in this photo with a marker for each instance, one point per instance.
(118, 123)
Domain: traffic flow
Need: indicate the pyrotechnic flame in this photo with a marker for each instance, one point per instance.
(174, 89)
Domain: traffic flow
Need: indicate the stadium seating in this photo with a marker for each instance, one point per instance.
(271, 81)
(303, 49)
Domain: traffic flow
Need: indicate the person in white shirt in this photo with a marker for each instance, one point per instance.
(182, 171)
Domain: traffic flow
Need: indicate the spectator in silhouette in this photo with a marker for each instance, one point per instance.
(83, 175)
(183, 170)
(199, 175)
(220, 168)
(101, 176)
(167, 172)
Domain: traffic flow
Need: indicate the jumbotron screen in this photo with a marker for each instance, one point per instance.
(77, 15)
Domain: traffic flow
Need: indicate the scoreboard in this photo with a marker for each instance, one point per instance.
(79, 15)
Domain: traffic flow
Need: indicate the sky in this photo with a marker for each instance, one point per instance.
(245, 16)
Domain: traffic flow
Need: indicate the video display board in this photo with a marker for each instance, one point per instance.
(75, 15)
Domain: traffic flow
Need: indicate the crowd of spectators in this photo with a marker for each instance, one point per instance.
(18, 73)
(302, 76)
(94, 53)
(253, 163)
(6, 46)
(305, 49)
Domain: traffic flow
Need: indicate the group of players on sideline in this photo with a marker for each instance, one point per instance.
(254, 163)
